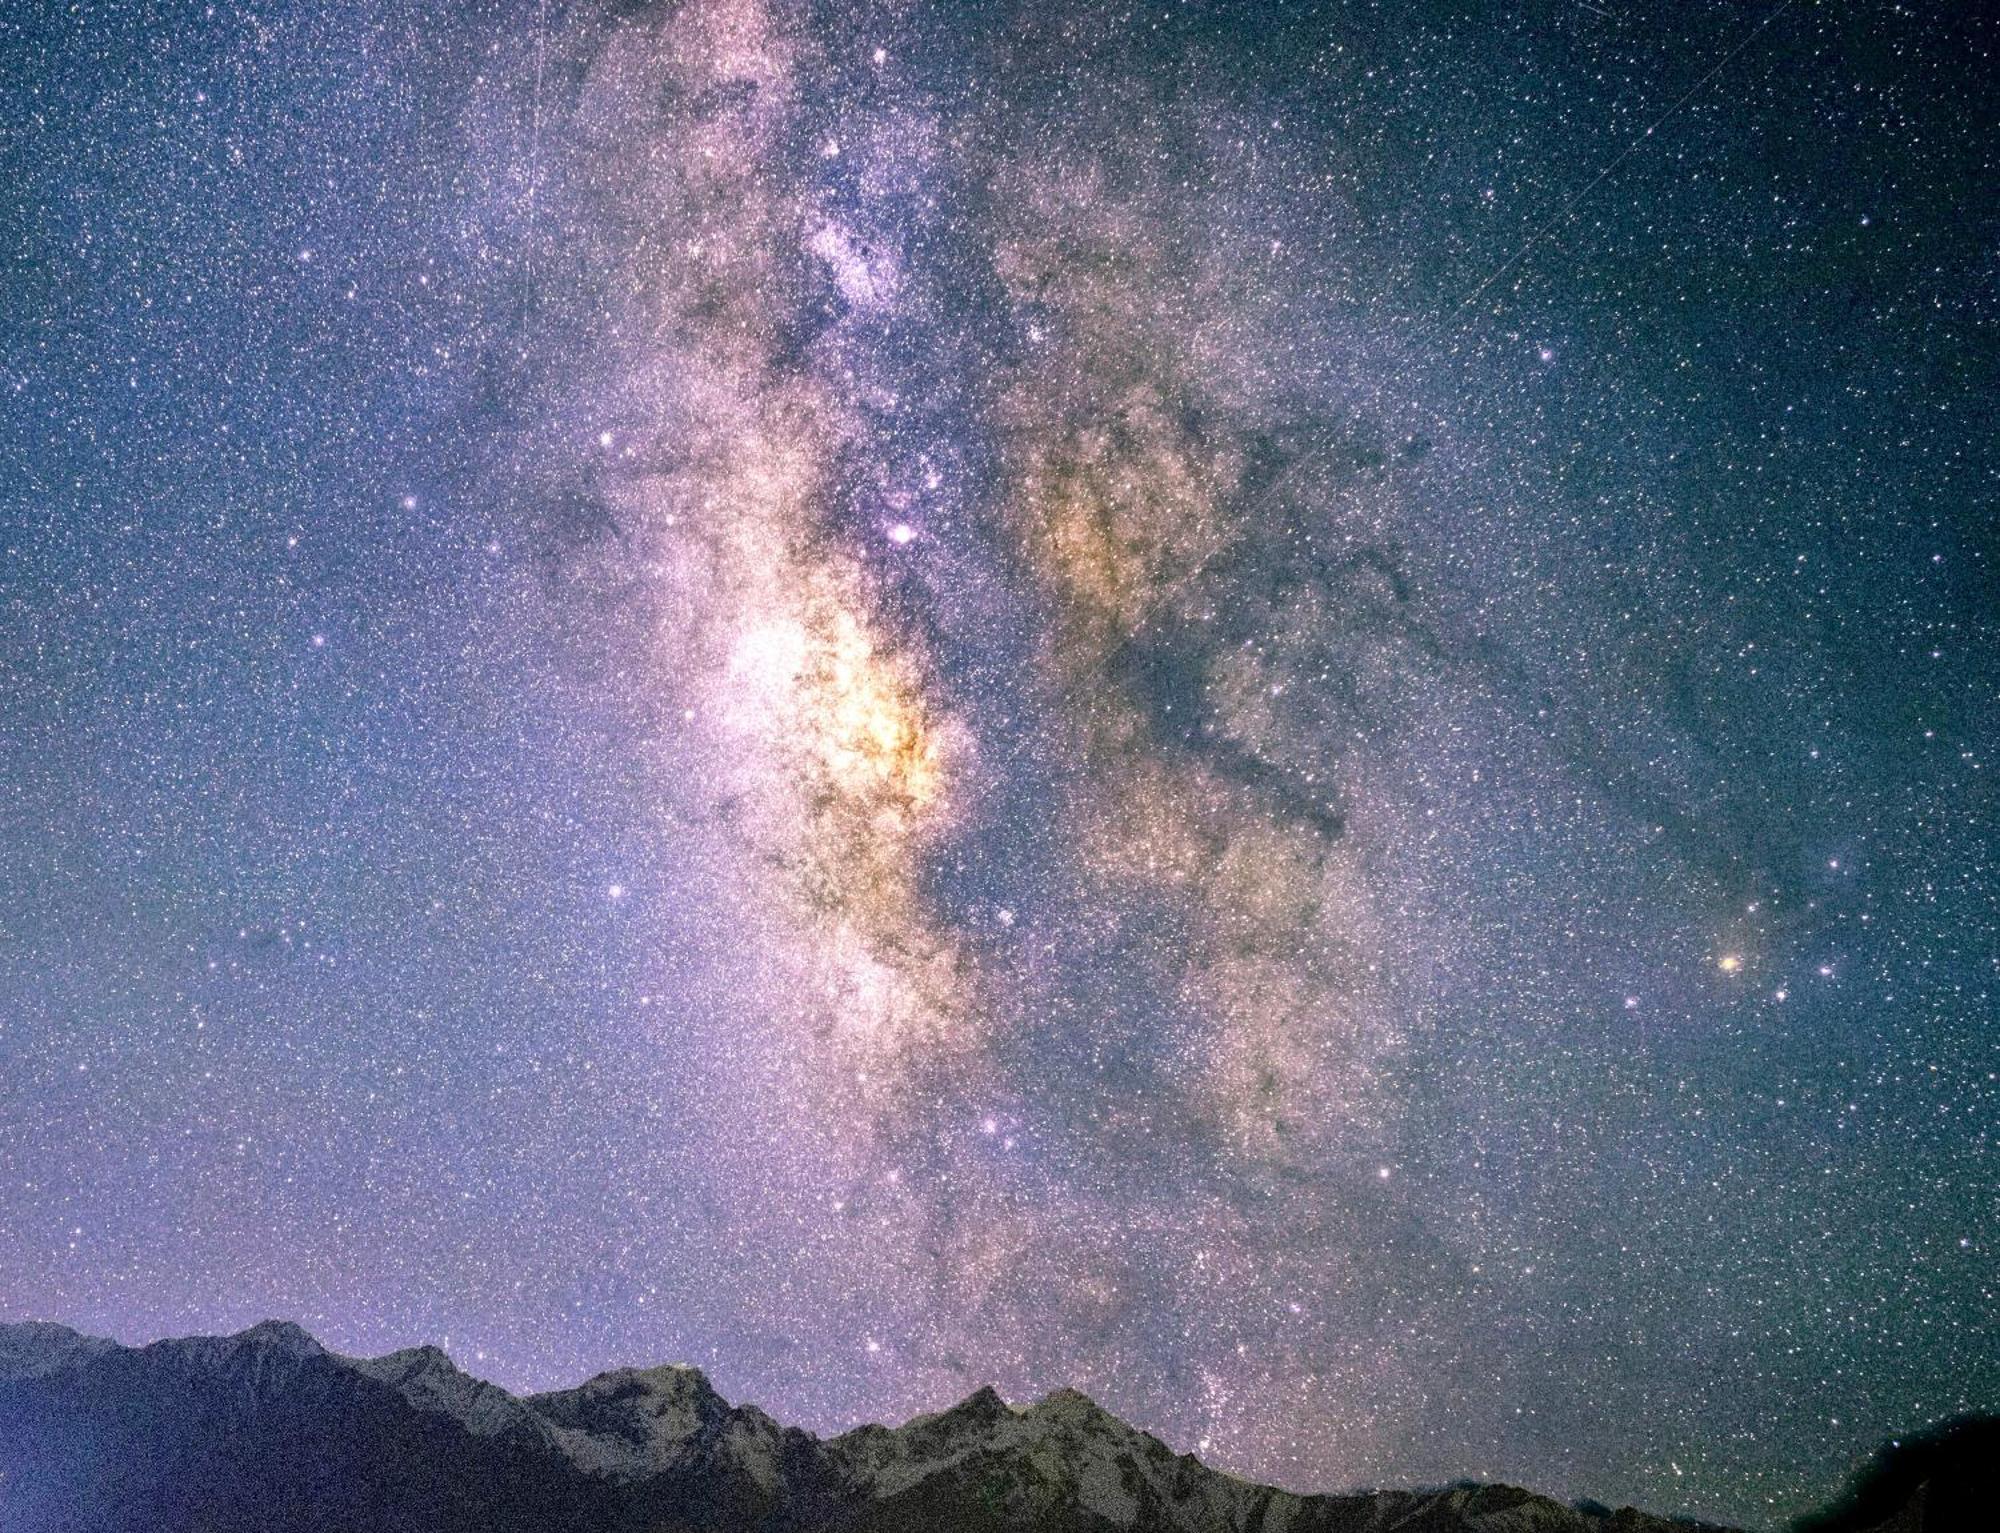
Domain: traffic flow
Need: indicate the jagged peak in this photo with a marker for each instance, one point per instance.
(1068, 1396)
(428, 1378)
(627, 1423)
(982, 1407)
(29, 1347)
(986, 1400)
(1070, 1405)
(1072, 1413)
(679, 1374)
(264, 1340)
(413, 1362)
(678, 1380)
(427, 1352)
(284, 1335)
(38, 1329)
(984, 1404)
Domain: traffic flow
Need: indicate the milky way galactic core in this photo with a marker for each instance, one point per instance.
(1282, 711)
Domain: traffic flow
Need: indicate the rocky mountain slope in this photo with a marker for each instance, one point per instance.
(267, 1430)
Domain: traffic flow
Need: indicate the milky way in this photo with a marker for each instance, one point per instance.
(893, 699)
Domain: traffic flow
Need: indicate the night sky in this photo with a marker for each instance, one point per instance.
(1288, 712)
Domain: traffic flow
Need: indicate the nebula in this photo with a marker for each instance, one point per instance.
(1017, 909)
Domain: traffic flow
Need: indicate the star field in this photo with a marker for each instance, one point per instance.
(1283, 711)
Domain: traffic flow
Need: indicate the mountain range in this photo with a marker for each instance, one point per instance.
(269, 1431)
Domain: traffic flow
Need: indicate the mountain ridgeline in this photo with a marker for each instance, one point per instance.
(268, 1431)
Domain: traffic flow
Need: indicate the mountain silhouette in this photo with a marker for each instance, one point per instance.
(269, 1431)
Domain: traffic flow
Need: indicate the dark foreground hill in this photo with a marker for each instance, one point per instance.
(268, 1431)
(1948, 1478)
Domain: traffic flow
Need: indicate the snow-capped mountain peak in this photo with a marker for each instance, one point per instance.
(268, 1430)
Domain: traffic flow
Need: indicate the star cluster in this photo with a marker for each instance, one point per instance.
(1280, 711)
